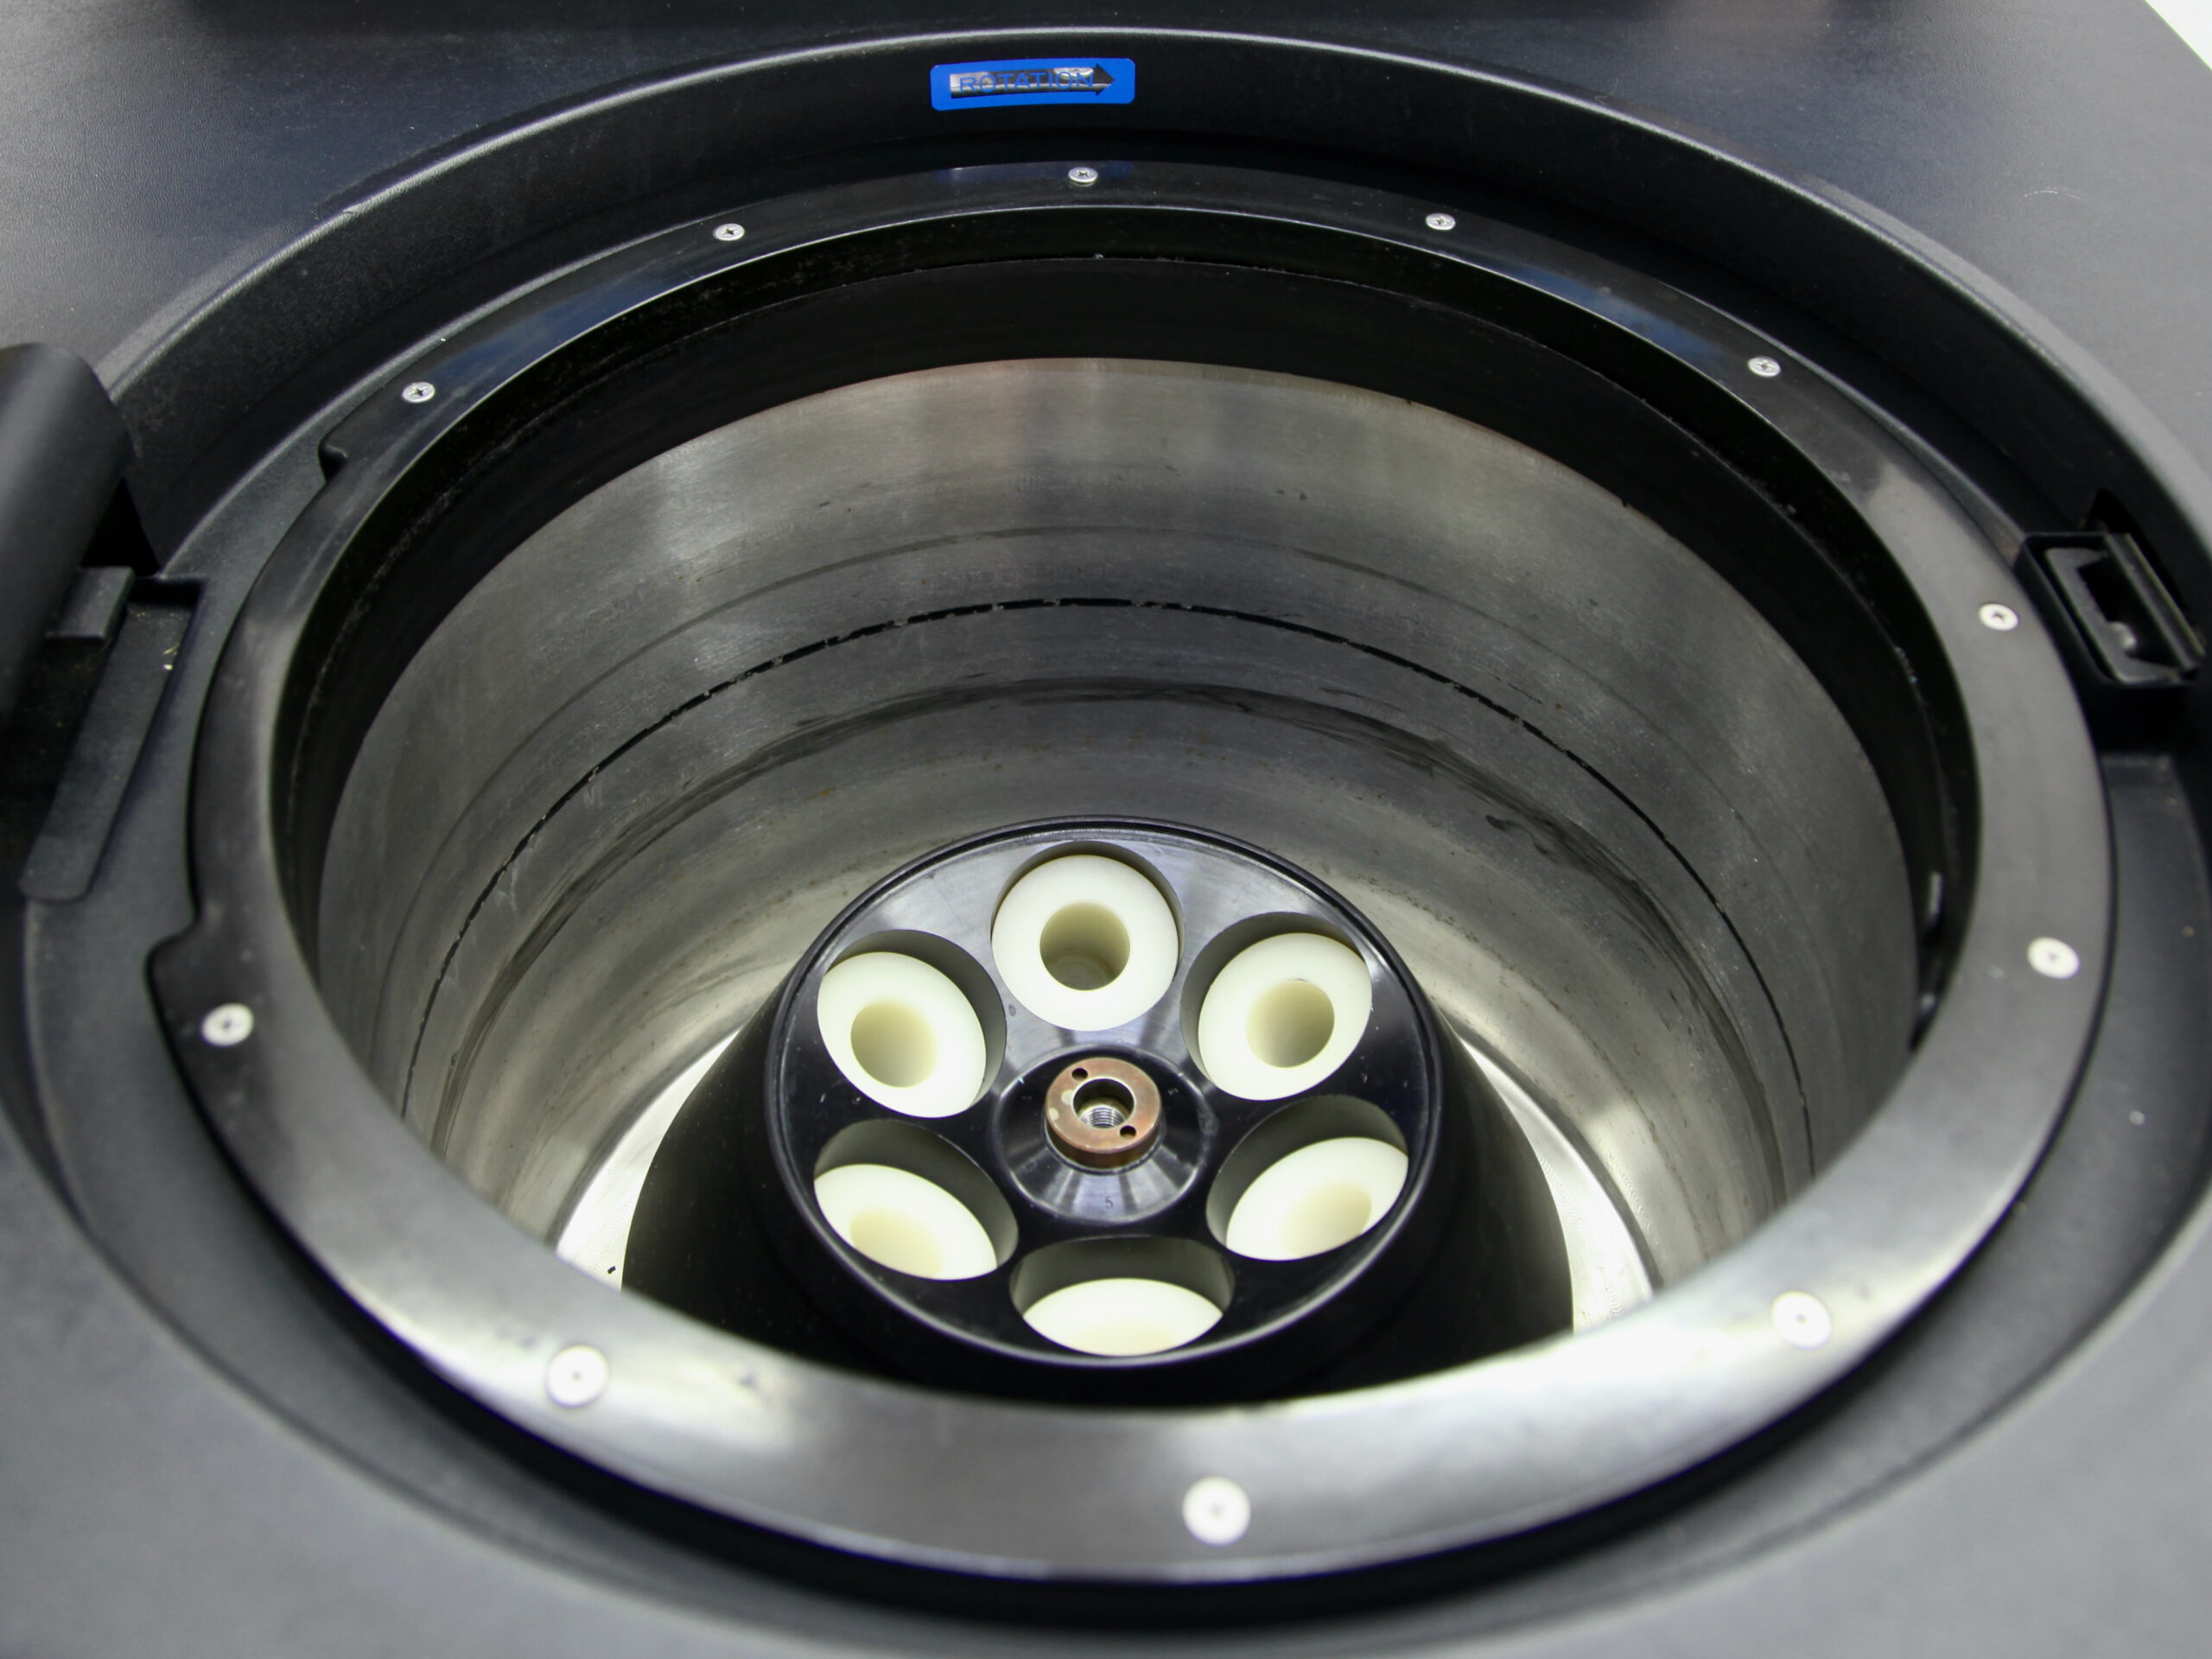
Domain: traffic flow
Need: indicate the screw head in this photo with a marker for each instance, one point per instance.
(1765, 367)
(576, 1375)
(1082, 175)
(418, 392)
(1442, 222)
(729, 233)
(1802, 1319)
(2054, 958)
(1216, 1511)
(228, 1026)
(1998, 619)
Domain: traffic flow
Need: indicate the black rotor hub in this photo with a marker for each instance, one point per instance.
(781, 1112)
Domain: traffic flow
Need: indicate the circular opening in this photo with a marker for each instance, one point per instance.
(1290, 1023)
(1085, 942)
(903, 1222)
(1122, 1317)
(893, 1044)
(909, 1200)
(1316, 1198)
(1282, 1014)
(1085, 947)
(1122, 1298)
(903, 1034)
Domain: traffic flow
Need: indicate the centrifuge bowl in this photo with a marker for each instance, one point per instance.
(1632, 680)
(596, 821)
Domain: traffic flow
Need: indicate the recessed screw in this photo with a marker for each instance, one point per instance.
(1216, 1511)
(228, 1026)
(1765, 367)
(729, 233)
(1082, 175)
(1442, 222)
(576, 1375)
(1998, 619)
(1802, 1319)
(418, 391)
(2054, 958)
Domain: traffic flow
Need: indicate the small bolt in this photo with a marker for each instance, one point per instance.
(1801, 1320)
(2054, 958)
(729, 233)
(576, 1375)
(418, 392)
(228, 1026)
(1998, 619)
(1082, 175)
(1442, 222)
(1216, 1511)
(1765, 367)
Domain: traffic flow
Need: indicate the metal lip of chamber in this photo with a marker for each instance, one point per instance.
(1328, 1484)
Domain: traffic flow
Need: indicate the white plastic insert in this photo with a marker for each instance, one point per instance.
(1316, 1198)
(904, 1222)
(1283, 1014)
(1085, 942)
(903, 1034)
(1120, 1317)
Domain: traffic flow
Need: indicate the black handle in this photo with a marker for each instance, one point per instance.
(62, 451)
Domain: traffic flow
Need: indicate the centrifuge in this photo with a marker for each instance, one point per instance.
(875, 833)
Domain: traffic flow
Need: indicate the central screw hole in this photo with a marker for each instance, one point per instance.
(1105, 1103)
(1084, 946)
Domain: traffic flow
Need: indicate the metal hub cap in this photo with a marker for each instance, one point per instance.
(1103, 1113)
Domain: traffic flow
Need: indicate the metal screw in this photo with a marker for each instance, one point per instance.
(1082, 175)
(1216, 1511)
(576, 1375)
(1802, 1319)
(228, 1026)
(418, 392)
(2054, 958)
(1442, 222)
(1765, 367)
(2001, 619)
(729, 233)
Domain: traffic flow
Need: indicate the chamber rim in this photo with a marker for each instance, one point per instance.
(741, 1429)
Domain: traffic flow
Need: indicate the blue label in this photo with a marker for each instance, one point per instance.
(1034, 80)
